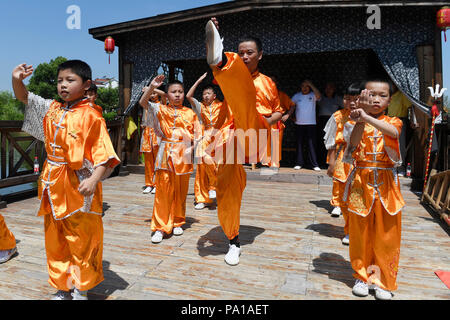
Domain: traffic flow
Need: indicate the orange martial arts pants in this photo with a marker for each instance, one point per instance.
(149, 158)
(169, 209)
(203, 184)
(336, 201)
(237, 86)
(375, 246)
(74, 248)
(7, 240)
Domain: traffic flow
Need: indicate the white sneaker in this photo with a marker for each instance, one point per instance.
(297, 167)
(200, 206)
(154, 190)
(79, 295)
(212, 194)
(214, 45)
(5, 255)
(336, 212)
(147, 190)
(316, 169)
(382, 294)
(62, 295)
(157, 236)
(178, 231)
(232, 257)
(360, 289)
(346, 239)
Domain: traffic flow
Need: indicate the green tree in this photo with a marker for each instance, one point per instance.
(10, 107)
(108, 99)
(43, 82)
(446, 103)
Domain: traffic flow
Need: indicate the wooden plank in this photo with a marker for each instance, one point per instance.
(14, 181)
(291, 249)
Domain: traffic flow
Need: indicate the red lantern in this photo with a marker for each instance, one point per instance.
(443, 20)
(109, 47)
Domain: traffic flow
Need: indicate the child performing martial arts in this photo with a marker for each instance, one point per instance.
(79, 155)
(337, 135)
(212, 117)
(252, 99)
(176, 125)
(373, 192)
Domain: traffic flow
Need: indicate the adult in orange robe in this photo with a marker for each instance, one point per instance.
(176, 125)
(212, 116)
(7, 242)
(373, 193)
(337, 134)
(79, 155)
(252, 99)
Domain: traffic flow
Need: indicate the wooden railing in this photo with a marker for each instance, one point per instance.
(18, 150)
(437, 193)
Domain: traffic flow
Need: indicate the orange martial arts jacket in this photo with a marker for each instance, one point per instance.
(376, 158)
(76, 141)
(178, 129)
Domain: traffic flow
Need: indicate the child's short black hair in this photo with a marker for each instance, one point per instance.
(80, 68)
(256, 40)
(173, 83)
(93, 87)
(209, 87)
(353, 89)
(379, 79)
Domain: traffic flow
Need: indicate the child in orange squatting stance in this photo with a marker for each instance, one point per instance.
(253, 104)
(212, 115)
(176, 126)
(337, 135)
(79, 155)
(150, 143)
(7, 242)
(373, 192)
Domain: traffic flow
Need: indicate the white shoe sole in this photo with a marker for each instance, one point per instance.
(178, 232)
(213, 57)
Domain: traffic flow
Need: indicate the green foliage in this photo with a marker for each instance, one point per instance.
(10, 107)
(108, 99)
(43, 82)
(446, 103)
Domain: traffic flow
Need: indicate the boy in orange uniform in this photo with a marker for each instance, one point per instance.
(176, 125)
(211, 114)
(150, 144)
(337, 135)
(373, 189)
(252, 99)
(79, 155)
(7, 242)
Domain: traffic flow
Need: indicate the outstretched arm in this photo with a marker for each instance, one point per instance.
(156, 82)
(20, 73)
(191, 91)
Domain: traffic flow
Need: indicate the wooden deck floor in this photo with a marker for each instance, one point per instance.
(291, 249)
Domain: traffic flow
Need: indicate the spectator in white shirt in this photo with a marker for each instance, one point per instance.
(305, 123)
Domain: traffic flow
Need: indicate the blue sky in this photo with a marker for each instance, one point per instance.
(35, 31)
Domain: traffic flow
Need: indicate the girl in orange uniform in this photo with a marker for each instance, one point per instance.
(373, 192)
(337, 135)
(176, 126)
(79, 155)
(253, 103)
